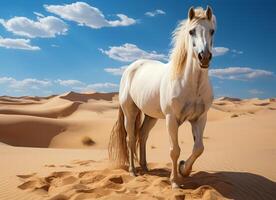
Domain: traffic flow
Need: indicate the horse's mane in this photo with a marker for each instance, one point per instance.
(178, 55)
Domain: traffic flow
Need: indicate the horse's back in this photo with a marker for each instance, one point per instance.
(141, 83)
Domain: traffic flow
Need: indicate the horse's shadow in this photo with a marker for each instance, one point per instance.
(232, 185)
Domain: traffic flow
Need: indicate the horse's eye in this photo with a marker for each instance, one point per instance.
(192, 32)
(212, 31)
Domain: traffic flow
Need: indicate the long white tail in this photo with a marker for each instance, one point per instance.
(117, 147)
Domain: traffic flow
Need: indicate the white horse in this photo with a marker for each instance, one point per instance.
(177, 91)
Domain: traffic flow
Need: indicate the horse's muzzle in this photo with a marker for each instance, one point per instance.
(204, 66)
(204, 59)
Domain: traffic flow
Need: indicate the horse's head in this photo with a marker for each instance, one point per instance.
(201, 29)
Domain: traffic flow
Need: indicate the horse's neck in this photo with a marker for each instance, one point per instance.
(193, 77)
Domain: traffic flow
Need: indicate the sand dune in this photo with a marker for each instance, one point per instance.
(35, 123)
(54, 112)
(84, 97)
(29, 131)
(238, 163)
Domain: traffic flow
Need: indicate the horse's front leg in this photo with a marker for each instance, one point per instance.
(198, 126)
(172, 128)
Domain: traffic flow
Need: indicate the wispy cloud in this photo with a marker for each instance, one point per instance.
(23, 44)
(116, 71)
(31, 86)
(83, 87)
(107, 86)
(38, 14)
(235, 51)
(239, 73)
(219, 51)
(130, 52)
(255, 92)
(86, 15)
(54, 45)
(44, 27)
(69, 83)
(29, 83)
(155, 13)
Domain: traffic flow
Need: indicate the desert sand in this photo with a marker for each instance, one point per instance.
(55, 148)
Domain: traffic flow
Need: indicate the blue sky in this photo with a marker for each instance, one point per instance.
(56, 46)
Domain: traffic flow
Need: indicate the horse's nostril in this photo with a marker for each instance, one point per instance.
(200, 56)
(210, 56)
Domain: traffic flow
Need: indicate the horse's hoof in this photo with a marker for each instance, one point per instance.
(182, 162)
(182, 169)
(175, 185)
(131, 173)
(145, 169)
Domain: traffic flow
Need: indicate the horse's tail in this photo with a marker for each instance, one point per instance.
(117, 147)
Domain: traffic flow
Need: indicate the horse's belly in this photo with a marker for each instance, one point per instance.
(148, 102)
(152, 109)
(145, 89)
(147, 99)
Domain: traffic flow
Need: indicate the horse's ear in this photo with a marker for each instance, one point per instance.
(209, 12)
(191, 13)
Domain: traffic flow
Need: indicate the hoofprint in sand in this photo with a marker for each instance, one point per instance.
(238, 162)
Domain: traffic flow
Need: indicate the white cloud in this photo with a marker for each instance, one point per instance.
(6, 80)
(155, 12)
(239, 73)
(32, 86)
(86, 15)
(38, 14)
(54, 45)
(28, 83)
(219, 51)
(83, 87)
(130, 52)
(44, 27)
(23, 44)
(123, 21)
(107, 86)
(69, 83)
(31, 83)
(103, 85)
(255, 92)
(235, 51)
(116, 71)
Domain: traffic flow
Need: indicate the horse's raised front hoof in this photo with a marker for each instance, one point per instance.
(183, 170)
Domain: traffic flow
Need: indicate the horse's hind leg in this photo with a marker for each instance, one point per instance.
(147, 125)
(130, 112)
(198, 126)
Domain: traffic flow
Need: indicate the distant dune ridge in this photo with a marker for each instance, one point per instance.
(238, 162)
